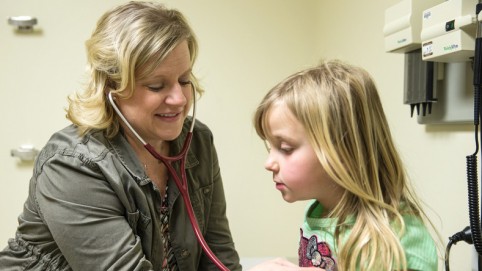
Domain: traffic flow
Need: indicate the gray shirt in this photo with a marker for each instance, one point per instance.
(91, 206)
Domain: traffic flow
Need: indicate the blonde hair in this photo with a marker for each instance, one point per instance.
(128, 43)
(339, 107)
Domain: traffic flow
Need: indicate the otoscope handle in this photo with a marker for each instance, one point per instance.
(478, 62)
(477, 65)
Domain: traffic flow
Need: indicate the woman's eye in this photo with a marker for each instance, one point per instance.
(155, 88)
(185, 83)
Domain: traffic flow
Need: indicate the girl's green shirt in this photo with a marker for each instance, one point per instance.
(317, 242)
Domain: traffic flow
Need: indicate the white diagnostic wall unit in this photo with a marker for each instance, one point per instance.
(403, 24)
(448, 31)
(437, 38)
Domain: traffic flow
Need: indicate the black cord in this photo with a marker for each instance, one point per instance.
(464, 235)
(472, 234)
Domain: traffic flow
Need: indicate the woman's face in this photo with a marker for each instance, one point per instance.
(161, 101)
(297, 172)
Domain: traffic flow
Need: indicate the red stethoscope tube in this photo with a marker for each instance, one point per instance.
(181, 181)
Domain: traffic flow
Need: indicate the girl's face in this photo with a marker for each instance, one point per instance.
(297, 172)
(161, 101)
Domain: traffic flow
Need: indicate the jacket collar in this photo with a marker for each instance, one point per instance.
(129, 159)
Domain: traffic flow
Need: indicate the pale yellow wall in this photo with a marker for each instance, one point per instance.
(245, 48)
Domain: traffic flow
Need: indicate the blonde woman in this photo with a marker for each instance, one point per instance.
(329, 142)
(98, 199)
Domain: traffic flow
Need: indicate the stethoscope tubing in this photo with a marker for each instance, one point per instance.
(181, 182)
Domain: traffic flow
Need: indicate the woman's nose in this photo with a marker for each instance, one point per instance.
(176, 96)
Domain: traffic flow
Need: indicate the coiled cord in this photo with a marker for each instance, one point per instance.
(472, 234)
(472, 178)
(473, 193)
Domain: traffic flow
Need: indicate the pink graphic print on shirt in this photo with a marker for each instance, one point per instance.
(314, 253)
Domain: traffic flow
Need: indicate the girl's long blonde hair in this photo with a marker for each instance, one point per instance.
(339, 107)
(128, 43)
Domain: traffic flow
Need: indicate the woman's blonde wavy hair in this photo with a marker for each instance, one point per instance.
(339, 107)
(128, 43)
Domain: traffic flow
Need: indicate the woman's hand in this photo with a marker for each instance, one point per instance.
(281, 264)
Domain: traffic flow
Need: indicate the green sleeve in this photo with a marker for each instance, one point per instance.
(419, 246)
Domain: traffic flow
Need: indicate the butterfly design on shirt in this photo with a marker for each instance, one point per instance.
(314, 253)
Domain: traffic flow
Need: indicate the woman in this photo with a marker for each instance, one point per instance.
(98, 200)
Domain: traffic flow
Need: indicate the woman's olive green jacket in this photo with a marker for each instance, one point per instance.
(91, 206)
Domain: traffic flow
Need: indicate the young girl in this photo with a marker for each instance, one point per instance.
(329, 142)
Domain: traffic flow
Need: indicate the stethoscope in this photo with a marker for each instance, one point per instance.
(181, 182)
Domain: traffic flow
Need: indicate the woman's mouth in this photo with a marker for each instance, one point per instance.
(169, 116)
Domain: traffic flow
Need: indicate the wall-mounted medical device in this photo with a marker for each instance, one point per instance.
(448, 31)
(437, 63)
(403, 24)
(449, 65)
(420, 83)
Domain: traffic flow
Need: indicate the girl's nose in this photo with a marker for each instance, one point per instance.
(270, 164)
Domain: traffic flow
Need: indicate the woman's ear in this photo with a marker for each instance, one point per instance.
(110, 85)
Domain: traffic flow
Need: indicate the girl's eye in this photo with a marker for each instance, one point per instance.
(286, 150)
(279, 147)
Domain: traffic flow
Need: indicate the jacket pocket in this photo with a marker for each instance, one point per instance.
(138, 221)
(201, 203)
